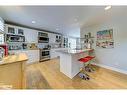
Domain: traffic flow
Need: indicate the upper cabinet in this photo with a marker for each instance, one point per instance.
(51, 37)
(54, 38)
(11, 30)
(31, 35)
(20, 31)
(1, 25)
(58, 38)
(14, 30)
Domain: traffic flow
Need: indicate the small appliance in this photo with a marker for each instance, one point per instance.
(43, 37)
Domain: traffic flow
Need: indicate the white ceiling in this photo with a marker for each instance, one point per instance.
(64, 18)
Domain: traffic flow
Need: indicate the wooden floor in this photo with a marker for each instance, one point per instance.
(46, 75)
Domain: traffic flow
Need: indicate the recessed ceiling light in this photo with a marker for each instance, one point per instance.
(108, 7)
(75, 19)
(57, 29)
(33, 22)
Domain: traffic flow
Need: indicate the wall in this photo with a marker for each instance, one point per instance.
(114, 58)
(74, 32)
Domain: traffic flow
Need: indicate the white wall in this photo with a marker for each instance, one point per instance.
(74, 32)
(116, 57)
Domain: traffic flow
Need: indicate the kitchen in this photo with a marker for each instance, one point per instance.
(38, 45)
(48, 56)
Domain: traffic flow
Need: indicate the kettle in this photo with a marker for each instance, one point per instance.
(1, 53)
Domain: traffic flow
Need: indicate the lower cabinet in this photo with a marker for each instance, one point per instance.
(33, 55)
(53, 54)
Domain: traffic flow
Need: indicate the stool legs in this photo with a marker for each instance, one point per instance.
(89, 68)
(83, 75)
(86, 68)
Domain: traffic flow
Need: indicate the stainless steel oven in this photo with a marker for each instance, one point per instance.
(15, 38)
(44, 54)
(43, 37)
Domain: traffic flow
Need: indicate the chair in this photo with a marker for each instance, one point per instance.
(86, 66)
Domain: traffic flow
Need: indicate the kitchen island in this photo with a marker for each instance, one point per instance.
(69, 64)
(12, 70)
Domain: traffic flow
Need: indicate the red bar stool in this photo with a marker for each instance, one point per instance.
(86, 66)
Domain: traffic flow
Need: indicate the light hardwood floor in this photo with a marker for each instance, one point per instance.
(46, 75)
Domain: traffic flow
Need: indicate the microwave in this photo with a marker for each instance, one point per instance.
(15, 38)
(43, 37)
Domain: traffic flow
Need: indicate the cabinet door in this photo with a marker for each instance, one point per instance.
(20, 31)
(33, 56)
(1, 25)
(53, 54)
(31, 35)
(11, 29)
(52, 37)
(58, 38)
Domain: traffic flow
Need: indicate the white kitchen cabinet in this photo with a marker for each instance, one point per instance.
(31, 36)
(1, 38)
(15, 30)
(53, 54)
(1, 25)
(10, 29)
(33, 55)
(52, 37)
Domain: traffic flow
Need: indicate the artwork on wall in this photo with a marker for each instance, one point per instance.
(105, 39)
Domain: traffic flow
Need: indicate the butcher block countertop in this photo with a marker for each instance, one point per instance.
(14, 58)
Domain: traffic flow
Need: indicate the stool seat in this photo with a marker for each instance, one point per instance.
(86, 59)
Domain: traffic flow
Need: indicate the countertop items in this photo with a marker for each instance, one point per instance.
(32, 46)
(14, 58)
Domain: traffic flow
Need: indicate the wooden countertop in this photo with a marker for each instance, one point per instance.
(14, 58)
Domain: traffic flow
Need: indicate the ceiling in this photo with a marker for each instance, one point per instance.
(61, 19)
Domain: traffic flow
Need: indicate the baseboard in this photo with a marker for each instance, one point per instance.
(112, 68)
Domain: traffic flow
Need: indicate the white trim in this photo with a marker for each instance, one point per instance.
(111, 68)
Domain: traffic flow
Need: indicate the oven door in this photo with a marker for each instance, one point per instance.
(43, 39)
(44, 54)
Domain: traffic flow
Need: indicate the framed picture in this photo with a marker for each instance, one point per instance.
(105, 39)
